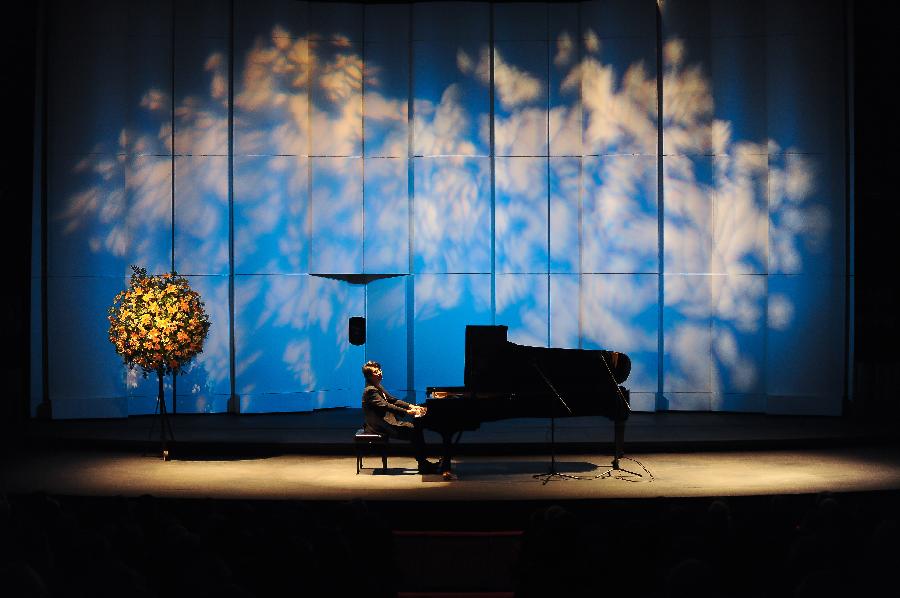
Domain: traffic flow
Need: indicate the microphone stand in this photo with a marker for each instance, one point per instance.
(618, 430)
(552, 473)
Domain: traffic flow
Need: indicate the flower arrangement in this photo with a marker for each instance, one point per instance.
(158, 323)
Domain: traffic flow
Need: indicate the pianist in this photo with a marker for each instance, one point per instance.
(381, 411)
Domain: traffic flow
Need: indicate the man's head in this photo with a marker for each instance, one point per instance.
(372, 372)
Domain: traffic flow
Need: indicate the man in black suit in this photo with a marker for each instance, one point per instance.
(381, 411)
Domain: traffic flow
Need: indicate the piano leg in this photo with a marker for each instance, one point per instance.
(618, 453)
(446, 451)
(619, 449)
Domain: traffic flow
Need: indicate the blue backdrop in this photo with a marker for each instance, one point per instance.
(479, 163)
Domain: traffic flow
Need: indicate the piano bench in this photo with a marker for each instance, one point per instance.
(364, 442)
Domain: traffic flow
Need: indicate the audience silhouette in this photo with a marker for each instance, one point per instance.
(782, 546)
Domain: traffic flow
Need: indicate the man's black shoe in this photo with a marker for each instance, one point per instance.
(426, 467)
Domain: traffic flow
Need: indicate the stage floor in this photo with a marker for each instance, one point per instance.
(310, 456)
(320, 477)
(253, 468)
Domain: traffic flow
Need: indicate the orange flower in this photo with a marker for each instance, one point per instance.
(157, 321)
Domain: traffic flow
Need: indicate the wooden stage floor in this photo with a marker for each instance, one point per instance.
(491, 478)
(310, 457)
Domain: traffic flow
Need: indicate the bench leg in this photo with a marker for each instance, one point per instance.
(368, 448)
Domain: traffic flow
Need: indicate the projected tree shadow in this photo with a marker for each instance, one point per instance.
(577, 219)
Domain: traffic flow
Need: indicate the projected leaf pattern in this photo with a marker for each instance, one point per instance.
(322, 171)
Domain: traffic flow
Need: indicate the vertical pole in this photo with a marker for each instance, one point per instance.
(234, 405)
(849, 209)
(163, 420)
(172, 165)
(493, 163)
(309, 158)
(411, 207)
(579, 44)
(45, 409)
(547, 171)
(172, 140)
(661, 403)
(362, 124)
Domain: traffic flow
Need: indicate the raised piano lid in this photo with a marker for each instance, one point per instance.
(486, 355)
(495, 364)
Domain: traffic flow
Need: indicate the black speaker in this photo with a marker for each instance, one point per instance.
(357, 330)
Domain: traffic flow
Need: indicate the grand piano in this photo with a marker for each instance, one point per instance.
(503, 380)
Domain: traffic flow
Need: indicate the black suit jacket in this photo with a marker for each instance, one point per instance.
(381, 411)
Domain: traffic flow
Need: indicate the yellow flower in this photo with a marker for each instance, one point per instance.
(157, 321)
